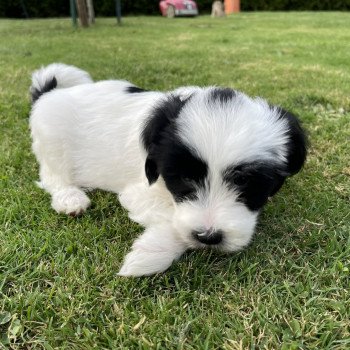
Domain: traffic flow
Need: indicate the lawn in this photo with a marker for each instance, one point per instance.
(288, 290)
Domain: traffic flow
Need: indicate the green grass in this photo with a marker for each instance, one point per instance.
(288, 290)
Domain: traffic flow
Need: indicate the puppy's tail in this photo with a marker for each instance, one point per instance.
(56, 75)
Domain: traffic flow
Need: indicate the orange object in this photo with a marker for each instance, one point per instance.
(232, 6)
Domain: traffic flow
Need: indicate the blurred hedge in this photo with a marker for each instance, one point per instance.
(57, 8)
(295, 5)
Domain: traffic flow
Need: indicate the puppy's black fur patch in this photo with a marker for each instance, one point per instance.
(134, 90)
(255, 182)
(159, 128)
(151, 170)
(161, 121)
(181, 170)
(297, 143)
(224, 95)
(48, 86)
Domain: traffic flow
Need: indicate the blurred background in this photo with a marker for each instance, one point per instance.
(61, 8)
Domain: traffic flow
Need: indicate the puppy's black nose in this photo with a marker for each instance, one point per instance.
(209, 237)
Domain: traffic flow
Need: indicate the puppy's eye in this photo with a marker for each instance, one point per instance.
(240, 178)
(186, 185)
(183, 189)
(187, 180)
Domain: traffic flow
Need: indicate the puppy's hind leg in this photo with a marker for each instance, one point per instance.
(66, 198)
(54, 134)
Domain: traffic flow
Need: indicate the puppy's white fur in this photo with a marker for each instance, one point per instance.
(88, 135)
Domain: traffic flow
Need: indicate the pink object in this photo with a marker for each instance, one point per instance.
(232, 6)
(172, 8)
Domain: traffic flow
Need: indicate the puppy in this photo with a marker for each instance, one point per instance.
(194, 166)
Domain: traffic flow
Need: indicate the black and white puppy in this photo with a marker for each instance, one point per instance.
(194, 165)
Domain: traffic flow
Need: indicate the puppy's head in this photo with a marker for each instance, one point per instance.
(221, 155)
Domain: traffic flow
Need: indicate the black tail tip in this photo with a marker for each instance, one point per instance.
(48, 86)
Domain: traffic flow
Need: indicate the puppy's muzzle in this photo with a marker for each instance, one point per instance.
(209, 237)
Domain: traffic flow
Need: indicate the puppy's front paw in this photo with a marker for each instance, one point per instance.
(71, 201)
(143, 263)
(154, 251)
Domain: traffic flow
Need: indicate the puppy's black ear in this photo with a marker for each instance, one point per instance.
(157, 131)
(151, 170)
(297, 143)
(277, 184)
(161, 121)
